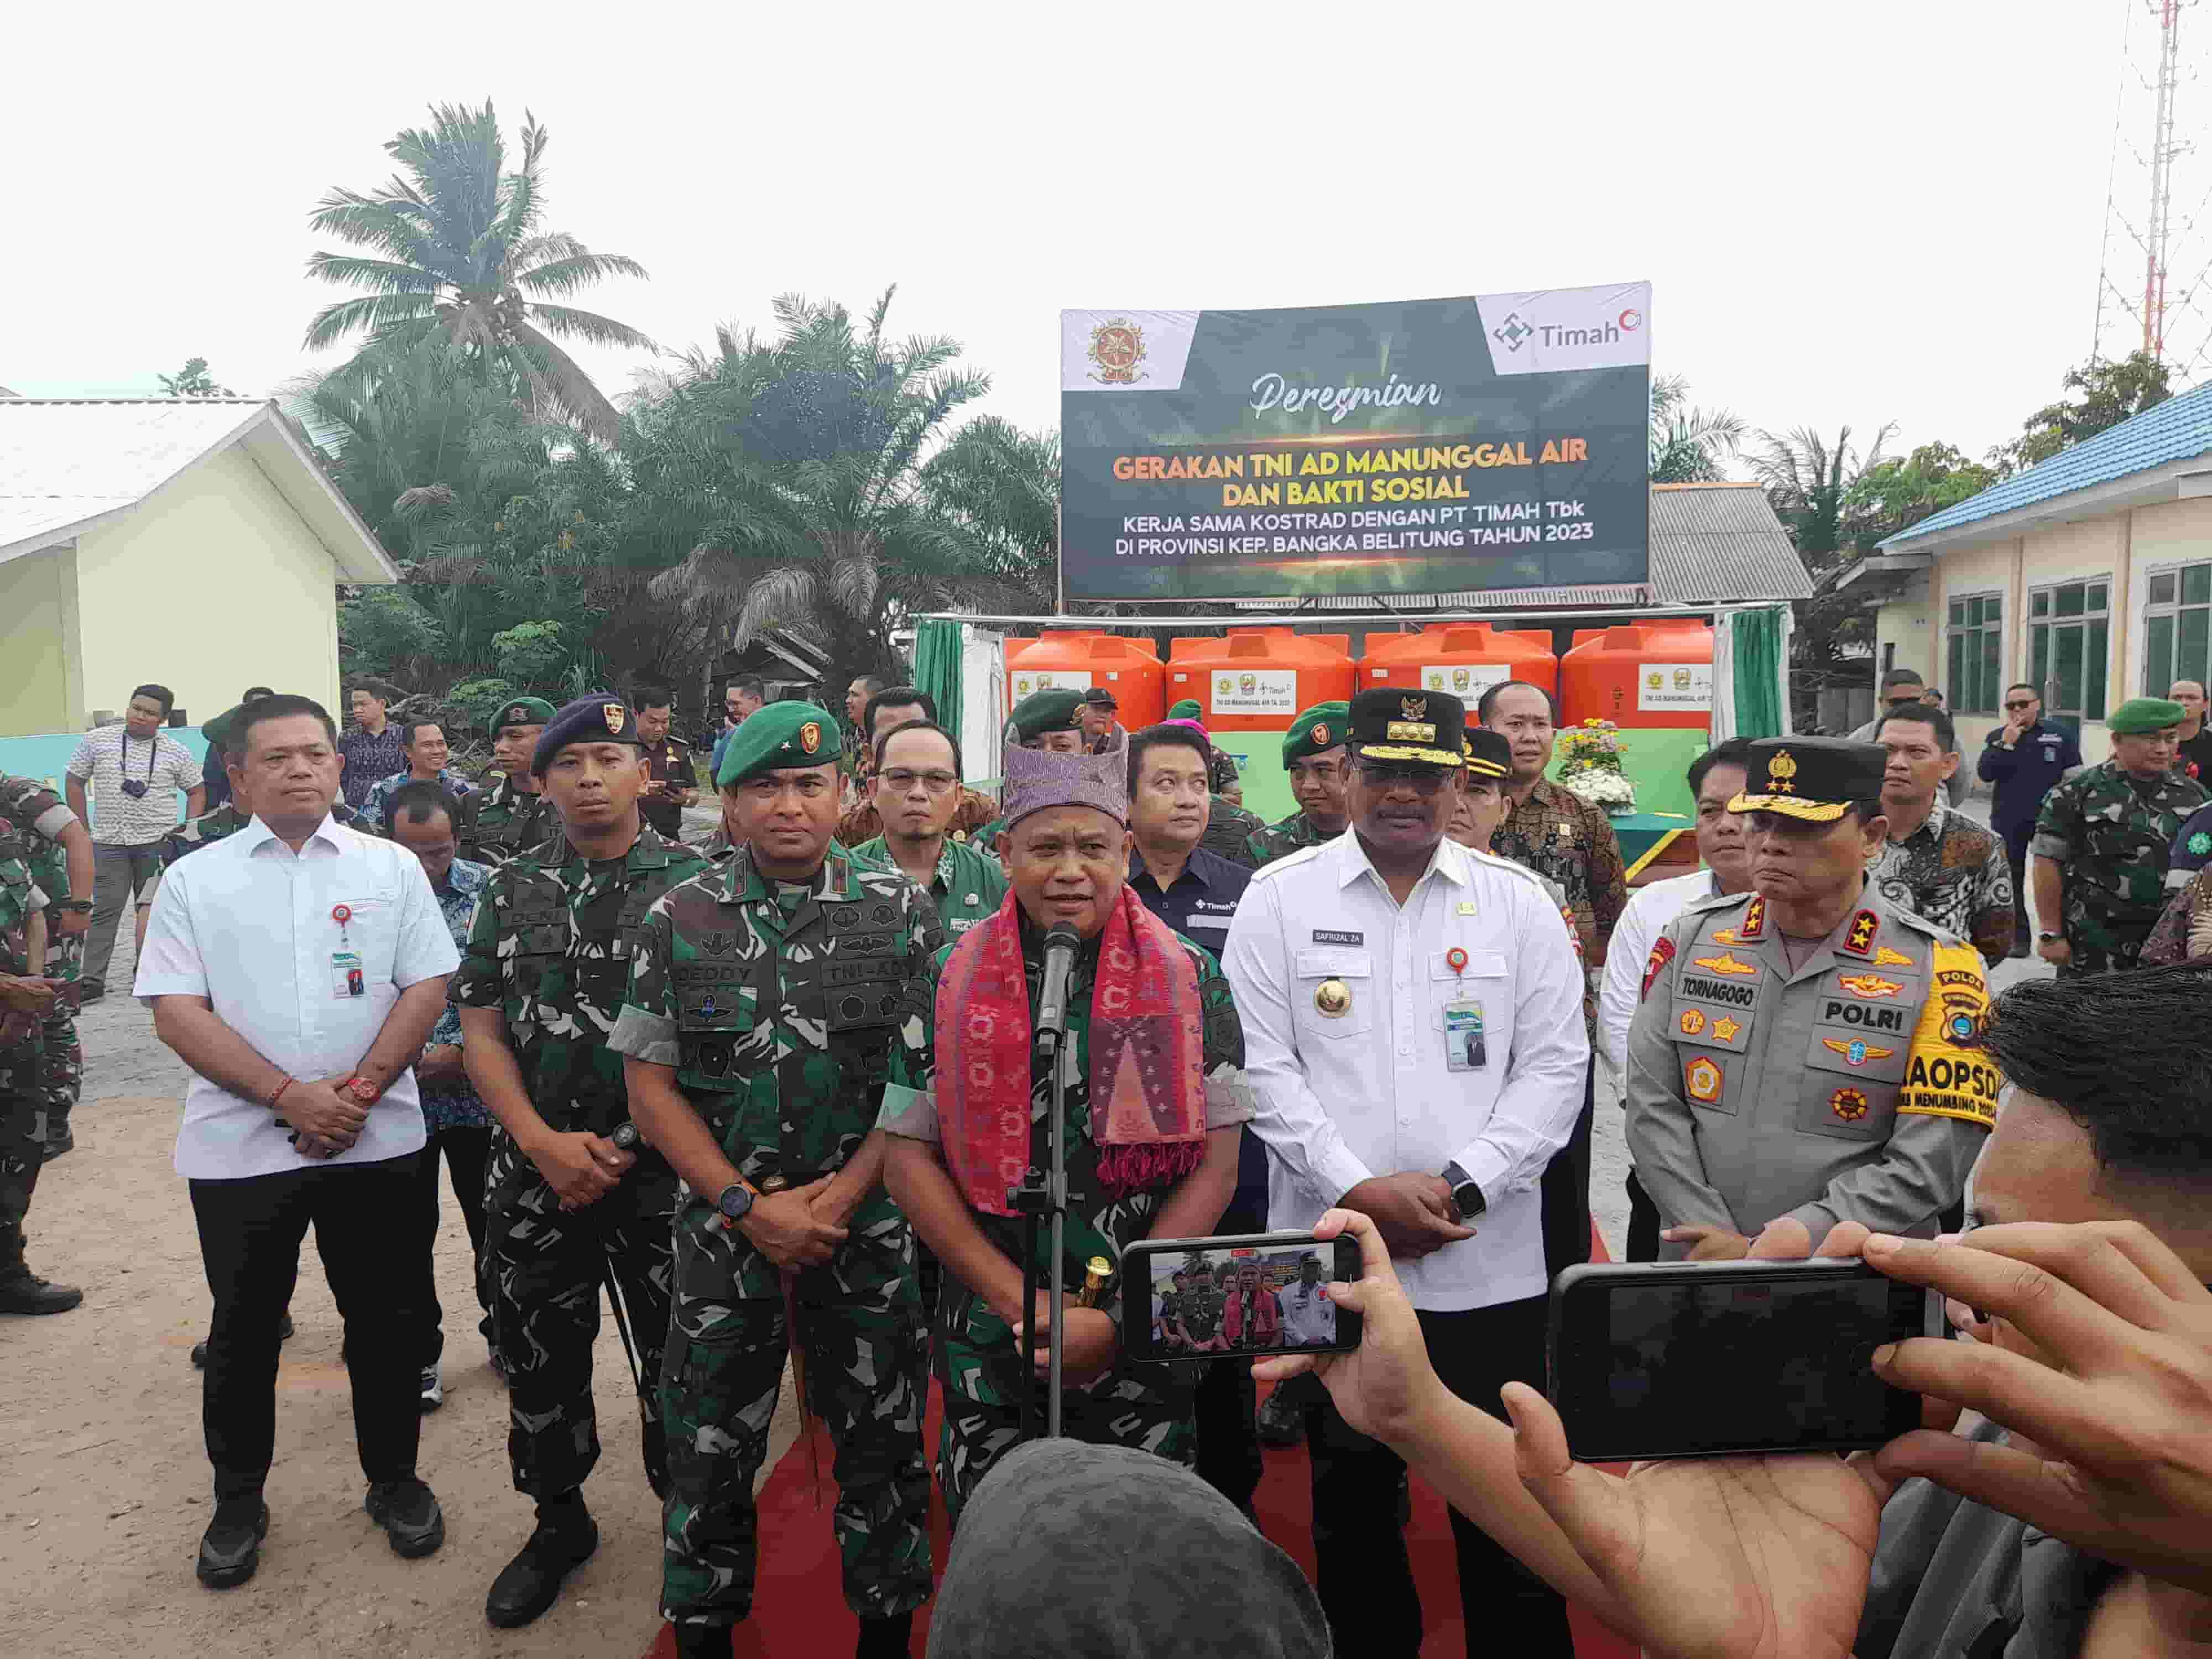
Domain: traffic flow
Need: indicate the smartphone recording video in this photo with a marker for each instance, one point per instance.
(1676, 1359)
(1249, 1296)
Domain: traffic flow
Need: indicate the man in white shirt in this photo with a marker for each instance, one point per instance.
(1413, 1038)
(136, 771)
(1717, 777)
(297, 968)
(1309, 1316)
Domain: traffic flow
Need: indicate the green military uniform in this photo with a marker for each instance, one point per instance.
(967, 887)
(1282, 838)
(550, 950)
(499, 821)
(1842, 1088)
(22, 1097)
(23, 803)
(2112, 834)
(1230, 829)
(779, 1006)
(979, 1365)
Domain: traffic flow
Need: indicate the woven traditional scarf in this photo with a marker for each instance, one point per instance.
(1147, 1057)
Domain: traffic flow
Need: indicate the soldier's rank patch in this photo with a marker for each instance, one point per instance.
(810, 736)
(1725, 1029)
(1754, 918)
(1702, 1079)
(1868, 987)
(1662, 954)
(614, 713)
(1886, 958)
(1725, 964)
(1849, 1104)
(1692, 1022)
(1860, 939)
(1858, 1051)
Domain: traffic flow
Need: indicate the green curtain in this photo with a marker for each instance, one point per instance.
(1757, 638)
(937, 670)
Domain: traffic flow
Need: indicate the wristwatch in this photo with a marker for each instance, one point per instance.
(1465, 1193)
(736, 1201)
(75, 907)
(362, 1090)
(2049, 939)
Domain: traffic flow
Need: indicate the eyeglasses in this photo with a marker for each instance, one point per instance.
(2025, 704)
(902, 779)
(1424, 780)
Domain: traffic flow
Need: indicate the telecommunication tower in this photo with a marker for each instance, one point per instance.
(2139, 308)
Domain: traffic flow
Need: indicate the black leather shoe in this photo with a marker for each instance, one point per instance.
(199, 1349)
(702, 1641)
(230, 1549)
(408, 1512)
(530, 1583)
(27, 1293)
(885, 1638)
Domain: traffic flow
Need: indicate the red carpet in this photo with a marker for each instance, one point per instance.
(798, 1606)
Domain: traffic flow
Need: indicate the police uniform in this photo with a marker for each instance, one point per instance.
(2112, 836)
(550, 950)
(1314, 731)
(498, 821)
(779, 1005)
(1843, 1089)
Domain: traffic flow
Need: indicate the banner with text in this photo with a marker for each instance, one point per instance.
(1426, 446)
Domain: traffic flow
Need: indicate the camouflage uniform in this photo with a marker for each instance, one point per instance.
(228, 819)
(23, 802)
(2113, 835)
(550, 951)
(499, 821)
(1229, 830)
(1282, 838)
(22, 1101)
(968, 886)
(979, 1365)
(779, 1006)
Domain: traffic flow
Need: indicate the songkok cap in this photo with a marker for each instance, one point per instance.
(1815, 778)
(1053, 710)
(523, 711)
(1187, 709)
(1488, 753)
(1320, 727)
(777, 735)
(2139, 716)
(1037, 779)
(595, 717)
(1099, 697)
(1426, 727)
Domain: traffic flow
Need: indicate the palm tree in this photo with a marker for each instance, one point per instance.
(459, 253)
(1808, 477)
(1687, 445)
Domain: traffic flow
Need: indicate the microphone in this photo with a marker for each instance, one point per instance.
(1060, 944)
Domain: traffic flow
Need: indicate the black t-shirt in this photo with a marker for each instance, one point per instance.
(2196, 756)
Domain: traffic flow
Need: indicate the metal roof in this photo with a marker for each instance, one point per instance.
(1721, 542)
(67, 464)
(2180, 429)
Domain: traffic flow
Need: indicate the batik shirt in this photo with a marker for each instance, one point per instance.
(370, 758)
(1282, 838)
(451, 1103)
(967, 887)
(372, 808)
(982, 1361)
(1954, 873)
(2113, 836)
(551, 949)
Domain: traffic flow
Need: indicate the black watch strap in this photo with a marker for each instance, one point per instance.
(735, 1201)
(1465, 1195)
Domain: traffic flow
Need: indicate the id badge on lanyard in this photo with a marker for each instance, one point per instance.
(1465, 1049)
(346, 980)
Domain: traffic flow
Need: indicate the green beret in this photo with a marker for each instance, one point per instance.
(1321, 726)
(780, 734)
(523, 711)
(1054, 709)
(1185, 710)
(595, 717)
(2140, 715)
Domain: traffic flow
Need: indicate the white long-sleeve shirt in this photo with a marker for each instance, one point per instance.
(1650, 909)
(1369, 1092)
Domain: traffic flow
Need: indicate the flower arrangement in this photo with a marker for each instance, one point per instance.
(1589, 765)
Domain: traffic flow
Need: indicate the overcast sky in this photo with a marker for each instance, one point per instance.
(1890, 210)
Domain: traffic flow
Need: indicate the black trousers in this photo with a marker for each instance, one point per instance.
(1225, 1403)
(2016, 840)
(1566, 1188)
(369, 1227)
(1643, 1222)
(1365, 1580)
(465, 1148)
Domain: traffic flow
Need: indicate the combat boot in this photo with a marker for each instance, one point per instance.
(885, 1638)
(526, 1586)
(23, 1291)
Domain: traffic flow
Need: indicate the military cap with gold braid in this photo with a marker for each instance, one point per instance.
(523, 711)
(595, 717)
(780, 735)
(1813, 779)
(1488, 755)
(1427, 727)
(1320, 728)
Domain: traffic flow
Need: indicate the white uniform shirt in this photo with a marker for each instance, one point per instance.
(1308, 1317)
(1370, 1092)
(1650, 909)
(246, 924)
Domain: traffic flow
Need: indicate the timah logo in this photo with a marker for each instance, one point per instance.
(1512, 333)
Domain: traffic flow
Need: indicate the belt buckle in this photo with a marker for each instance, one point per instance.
(774, 1183)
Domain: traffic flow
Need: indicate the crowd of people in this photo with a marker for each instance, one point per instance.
(773, 1093)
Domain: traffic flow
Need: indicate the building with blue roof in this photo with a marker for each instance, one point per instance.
(2089, 576)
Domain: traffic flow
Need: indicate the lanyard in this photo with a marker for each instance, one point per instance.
(122, 761)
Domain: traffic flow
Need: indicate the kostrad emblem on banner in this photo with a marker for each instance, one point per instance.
(1569, 328)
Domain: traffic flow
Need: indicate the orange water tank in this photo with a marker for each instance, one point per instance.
(1465, 659)
(1258, 679)
(1655, 675)
(1082, 657)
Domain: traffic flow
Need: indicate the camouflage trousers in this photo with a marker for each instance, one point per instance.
(545, 1266)
(1146, 1410)
(2101, 946)
(22, 1145)
(61, 1072)
(860, 1331)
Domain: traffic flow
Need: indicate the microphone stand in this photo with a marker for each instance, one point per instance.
(1044, 1192)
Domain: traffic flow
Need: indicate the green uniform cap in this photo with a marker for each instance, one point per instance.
(779, 735)
(2140, 715)
(1320, 727)
(523, 711)
(1185, 710)
(1050, 710)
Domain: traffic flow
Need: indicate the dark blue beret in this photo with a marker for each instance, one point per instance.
(595, 717)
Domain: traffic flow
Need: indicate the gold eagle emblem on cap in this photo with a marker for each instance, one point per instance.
(810, 736)
(614, 713)
(1413, 708)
